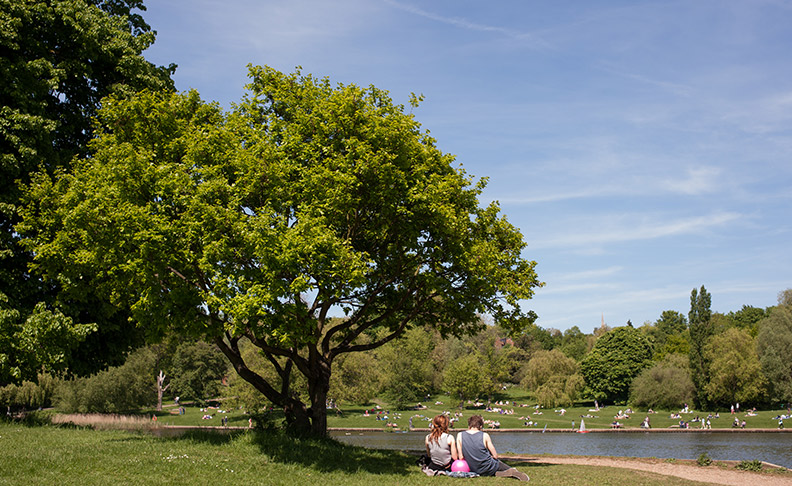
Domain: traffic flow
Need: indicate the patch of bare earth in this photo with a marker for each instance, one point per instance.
(717, 473)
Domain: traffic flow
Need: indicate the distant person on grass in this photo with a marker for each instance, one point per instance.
(476, 448)
(440, 445)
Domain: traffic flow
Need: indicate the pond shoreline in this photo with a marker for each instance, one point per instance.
(572, 431)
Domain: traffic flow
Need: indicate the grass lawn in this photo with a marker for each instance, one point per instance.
(48, 455)
(520, 409)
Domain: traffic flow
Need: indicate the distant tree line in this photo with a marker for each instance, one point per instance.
(740, 359)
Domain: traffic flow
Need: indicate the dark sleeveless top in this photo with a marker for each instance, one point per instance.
(476, 453)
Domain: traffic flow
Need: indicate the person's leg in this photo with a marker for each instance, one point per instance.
(437, 467)
(505, 471)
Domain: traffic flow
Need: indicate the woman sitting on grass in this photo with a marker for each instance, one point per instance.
(440, 445)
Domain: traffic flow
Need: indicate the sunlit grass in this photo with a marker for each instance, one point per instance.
(48, 455)
(520, 410)
(514, 415)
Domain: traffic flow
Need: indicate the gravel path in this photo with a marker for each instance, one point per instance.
(711, 474)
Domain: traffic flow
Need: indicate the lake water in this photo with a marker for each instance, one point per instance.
(775, 448)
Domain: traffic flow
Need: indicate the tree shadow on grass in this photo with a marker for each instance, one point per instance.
(329, 455)
(321, 454)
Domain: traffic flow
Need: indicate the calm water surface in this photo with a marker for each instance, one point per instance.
(775, 448)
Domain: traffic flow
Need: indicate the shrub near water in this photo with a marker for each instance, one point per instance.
(704, 459)
(754, 465)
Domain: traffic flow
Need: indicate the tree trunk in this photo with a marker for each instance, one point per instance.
(318, 387)
(298, 418)
(160, 389)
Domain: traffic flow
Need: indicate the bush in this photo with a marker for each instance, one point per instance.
(754, 465)
(704, 459)
(118, 389)
(29, 395)
(664, 386)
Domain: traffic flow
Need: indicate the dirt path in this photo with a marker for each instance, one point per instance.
(712, 474)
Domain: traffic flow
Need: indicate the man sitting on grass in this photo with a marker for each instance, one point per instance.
(477, 449)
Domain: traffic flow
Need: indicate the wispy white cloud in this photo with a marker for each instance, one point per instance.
(672, 87)
(572, 289)
(635, 229)
(597, 273)
(763, 115)
(466, 24)
(742, 288)
(699, 180)
(694, 181)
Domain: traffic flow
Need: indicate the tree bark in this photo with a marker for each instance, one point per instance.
(160, 389)
(318, 387)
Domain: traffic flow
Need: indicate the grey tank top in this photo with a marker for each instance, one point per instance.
(476, 453)
(439, 451)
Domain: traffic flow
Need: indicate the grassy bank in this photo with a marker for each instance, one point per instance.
(515, 413)
(48, 455)
(521, 415)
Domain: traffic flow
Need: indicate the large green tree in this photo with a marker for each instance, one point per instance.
(671, 322)
(58, 59)
(616, 359)
(701, 329)
(735, 373)
(465, 378)
(407, 370)
(774, 345)
(43, 340)
(575, 344)
(197, 370)
(309, 199)
(553, 379)
(747, 318)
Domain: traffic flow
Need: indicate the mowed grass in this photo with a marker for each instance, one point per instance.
(48, 455)
(518, 409)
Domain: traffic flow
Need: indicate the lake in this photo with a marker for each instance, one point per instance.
(775, 448)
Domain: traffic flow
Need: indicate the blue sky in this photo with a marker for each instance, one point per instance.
(644, 148)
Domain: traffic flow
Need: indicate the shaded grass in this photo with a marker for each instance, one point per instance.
(54, 455)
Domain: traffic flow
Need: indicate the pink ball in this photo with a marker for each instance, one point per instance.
(460, 465)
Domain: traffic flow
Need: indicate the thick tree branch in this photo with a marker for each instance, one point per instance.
(231, 351)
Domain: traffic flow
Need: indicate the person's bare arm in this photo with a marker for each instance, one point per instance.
(459, 447)
(489, 445)
(452, 445)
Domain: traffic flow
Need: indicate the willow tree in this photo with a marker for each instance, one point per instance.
(307, 201)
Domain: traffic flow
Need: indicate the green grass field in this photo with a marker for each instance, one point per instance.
(48, 455)
(512, 416)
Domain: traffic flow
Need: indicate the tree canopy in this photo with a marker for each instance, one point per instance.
(701, 329)
(774, 345)
(58, 59)
(735, 372)
(553, 378)
(666, 385)
(307, 199)
(616, 359)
